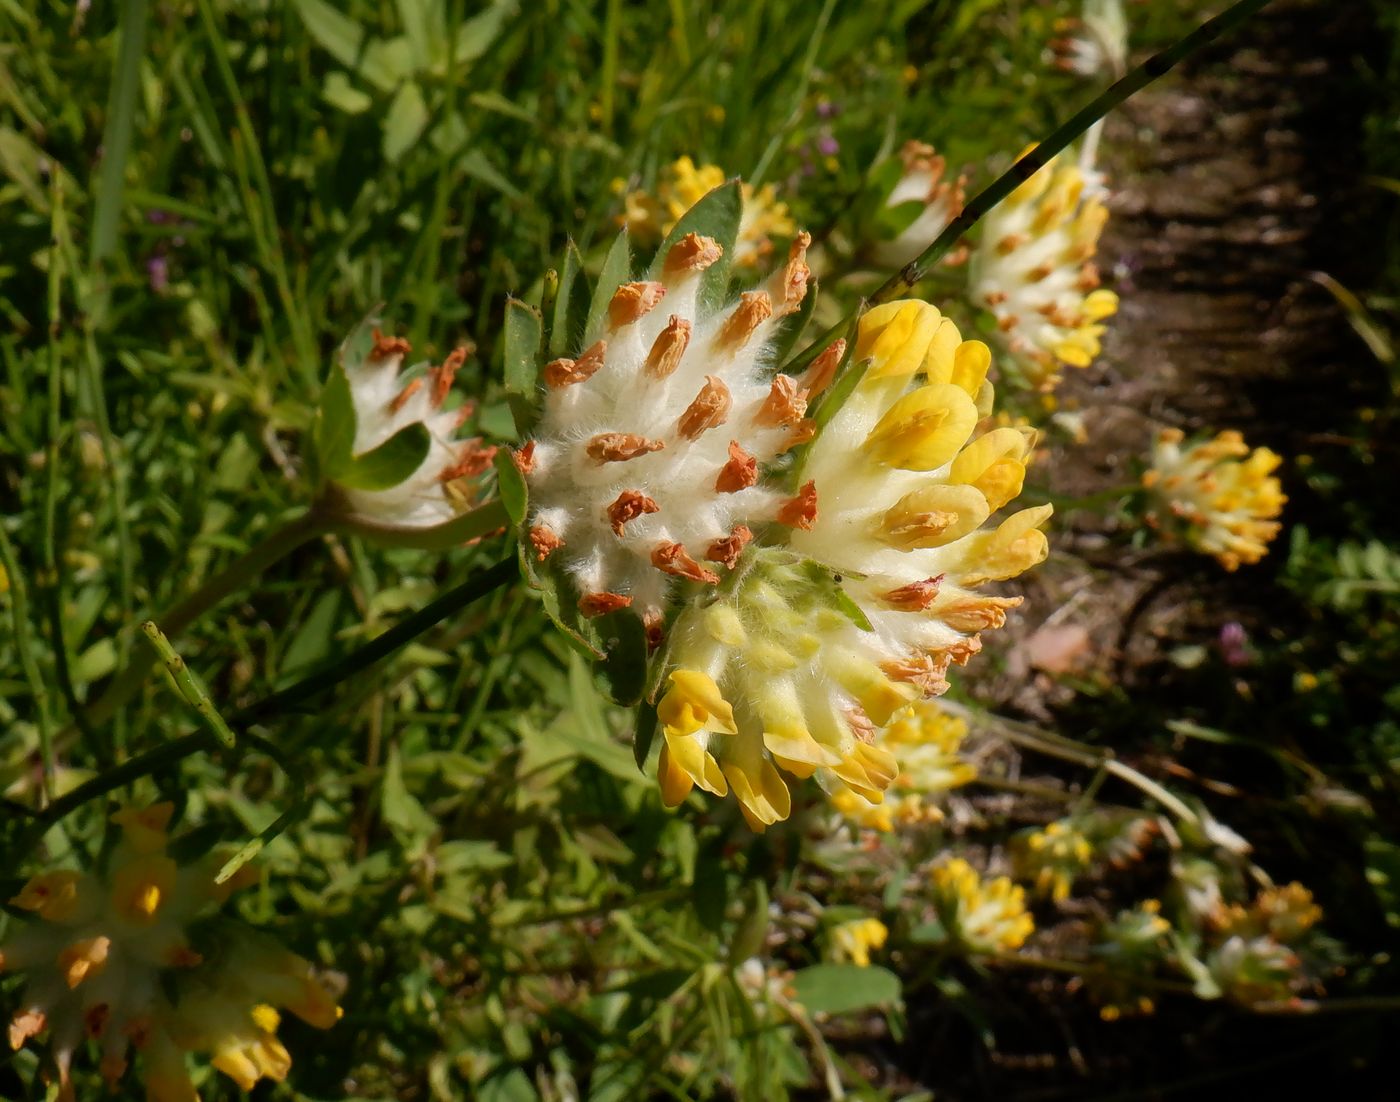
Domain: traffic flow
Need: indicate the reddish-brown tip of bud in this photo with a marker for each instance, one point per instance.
(739, 473)
(400, 399)
(472, 458)
(916, 596)
(524, 458)
(823, 369)
(800, 511)
(632, 301)
(800, 433)
(668, 348)
(616, 447)
(672, 558)
(544, 541)
(600, 604)
(709, 409)
(385, 347)
(923, 670)
(630, 504)
(692, 253)
(654, 625)
(726, 550)
(443, 375)
(565, 372)
(791, 286)
(754, 308)
(785, 404)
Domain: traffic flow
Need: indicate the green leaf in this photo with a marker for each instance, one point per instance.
(405, 121)
(565, 327)
(644, 734)
(523, 335)
(893, 221)
(455, 858)
(625, 668)
(475, 164)
(333, 31)
(340, 93)
(475, 35)
(1383, 874)
(843, 988)
(334, 431)
(405, 816)
(716, 215)
(616, 270)
(390, 463)
(510, 485)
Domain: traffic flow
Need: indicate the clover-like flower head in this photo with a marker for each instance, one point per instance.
(981, 916)
(388, 438)
(129, 958)
(855, 940)
(925, 739)
(1217, 495)
(1033, 269)
(921, 203)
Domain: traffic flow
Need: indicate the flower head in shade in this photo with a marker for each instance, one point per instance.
(389, 438)
(921, 203)
(925, 740)
(1132, 945)
(1033, 269)
(981, 916)
(855, 940)
(868, 590)
(110, 957)
(1217, 495)
(651, 216)
(1055, 855)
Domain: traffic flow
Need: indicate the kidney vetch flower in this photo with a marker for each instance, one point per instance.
(1033, 269)
(1217, 495)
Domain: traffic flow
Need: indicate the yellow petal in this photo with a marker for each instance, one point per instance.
(971, 362)
(895, 337)
(694, 703)
(923, 429)
(697, 763)
(939, 360)
(934, 515)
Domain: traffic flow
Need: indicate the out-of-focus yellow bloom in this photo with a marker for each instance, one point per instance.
(650, 216)
(982, 916)
(853, 941)
(1033, 269)
(823, 637)
(1217, 495)
(1056, 855)
(925, 739)
(110, 957)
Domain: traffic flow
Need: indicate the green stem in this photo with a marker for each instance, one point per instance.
(19, 613)
(187, 686)
(977, 208)
(234, 577)
(401, 634)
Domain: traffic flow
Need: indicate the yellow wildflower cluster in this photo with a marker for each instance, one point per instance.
(817, 642)
(925, 738)
(1218, 495)
(1033, 269)
(855, 940)
(110, 958)
(981, 916)
(650, 216)
(1055, 855)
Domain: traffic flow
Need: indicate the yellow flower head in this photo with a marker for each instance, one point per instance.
(1033, 269)
(853, 941)
(108, 956)
(1217, 495)
(981, 916)
(925, 739)
(818, 641)
(650, 217)
(1055, 856)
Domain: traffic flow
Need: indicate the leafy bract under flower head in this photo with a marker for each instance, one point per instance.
(683, 183)
(116, 958)
(1033, 269)
(1217, 495)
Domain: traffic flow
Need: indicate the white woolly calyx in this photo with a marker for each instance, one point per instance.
(389, 442)
(924, 191)
(645, 466)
